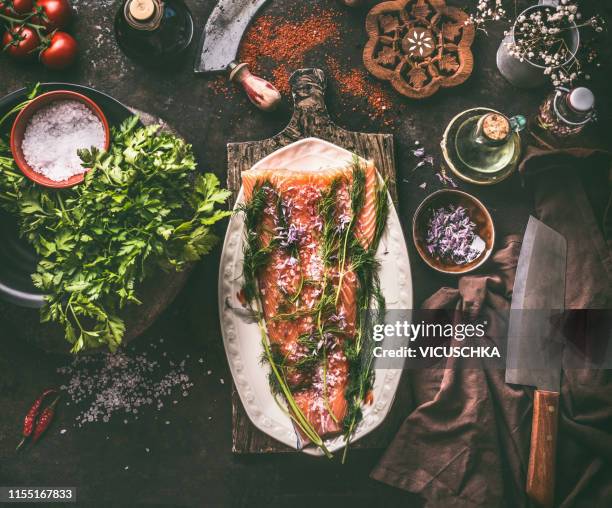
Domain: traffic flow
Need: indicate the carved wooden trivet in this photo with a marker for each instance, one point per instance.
(419, 46)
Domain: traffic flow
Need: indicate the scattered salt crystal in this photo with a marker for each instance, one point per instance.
(222, 381)
(123, 382)
(147, 450)
(55, 133)
(209, 372)
(167, 422)
(63, 431)
(126, 467)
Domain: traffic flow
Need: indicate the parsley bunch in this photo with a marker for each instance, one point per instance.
(142, 206)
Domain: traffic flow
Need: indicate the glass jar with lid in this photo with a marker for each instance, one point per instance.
(566, 112)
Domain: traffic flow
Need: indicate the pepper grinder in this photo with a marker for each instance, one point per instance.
(259, 91)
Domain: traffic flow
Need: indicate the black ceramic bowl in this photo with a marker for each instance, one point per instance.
(17, 259)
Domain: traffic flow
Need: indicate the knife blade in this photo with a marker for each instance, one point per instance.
(223, 33)
(535, 347)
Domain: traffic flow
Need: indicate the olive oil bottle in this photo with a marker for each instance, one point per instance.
(484, 142)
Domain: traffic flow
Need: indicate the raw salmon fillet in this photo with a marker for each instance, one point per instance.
(293, 280)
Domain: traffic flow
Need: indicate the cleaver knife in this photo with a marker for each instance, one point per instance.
(535, 347)
(219, 50)
(223, 33)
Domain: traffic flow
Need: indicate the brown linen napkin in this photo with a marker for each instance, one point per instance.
(466, 443)
(572, 195)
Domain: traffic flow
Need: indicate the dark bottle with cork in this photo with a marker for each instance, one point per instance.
(154, 32)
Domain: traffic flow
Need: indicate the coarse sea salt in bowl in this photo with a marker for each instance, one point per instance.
(48, 132)
(453, 232)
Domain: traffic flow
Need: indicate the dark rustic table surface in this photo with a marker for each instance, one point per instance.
(190, 461)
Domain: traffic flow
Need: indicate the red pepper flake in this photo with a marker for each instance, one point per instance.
(274, 47)
(220, 85)
(281, 76)
(358, 83)
(286, 43)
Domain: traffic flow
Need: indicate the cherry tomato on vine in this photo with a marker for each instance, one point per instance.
(61, 51)
(56, 14)
(19, 8)
(23, 6)
(21, 43)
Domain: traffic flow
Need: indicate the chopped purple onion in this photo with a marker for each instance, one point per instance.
(446, 179)
(343, 221)
(289, 237)
(451, 235)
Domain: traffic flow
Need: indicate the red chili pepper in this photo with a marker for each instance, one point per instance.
(46, 417)
(30, 418)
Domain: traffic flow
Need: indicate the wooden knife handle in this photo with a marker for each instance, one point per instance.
(542, 456)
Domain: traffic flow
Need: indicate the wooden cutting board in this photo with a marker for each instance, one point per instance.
(310, 119)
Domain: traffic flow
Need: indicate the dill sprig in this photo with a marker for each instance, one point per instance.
(357, 202)
(256, 256)
(281, 384)
(371, 307)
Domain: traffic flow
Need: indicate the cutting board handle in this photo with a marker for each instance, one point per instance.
(308, 89)
(542, 456)
(310, 115)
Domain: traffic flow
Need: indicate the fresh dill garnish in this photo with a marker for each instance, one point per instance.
(279, 360)
(371, 307)
(358, 188)
(256, 256)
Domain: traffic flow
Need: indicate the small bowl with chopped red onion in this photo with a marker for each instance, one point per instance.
(453, 232)
(48, 133)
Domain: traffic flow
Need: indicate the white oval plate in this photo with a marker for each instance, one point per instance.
(241, 335)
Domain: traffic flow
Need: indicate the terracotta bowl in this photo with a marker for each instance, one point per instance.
(22, 120)
(478, 214)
